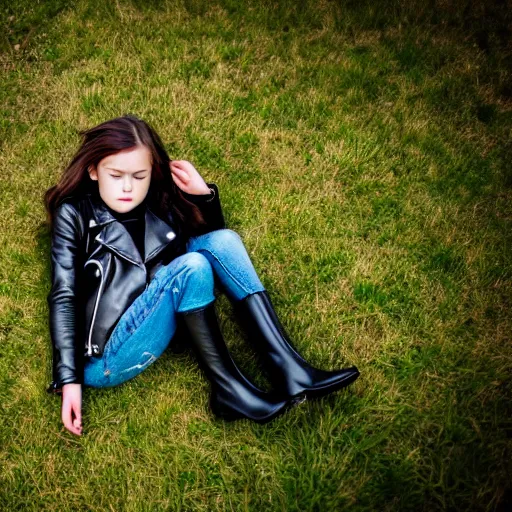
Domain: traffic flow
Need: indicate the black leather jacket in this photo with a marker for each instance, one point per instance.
(97, 272)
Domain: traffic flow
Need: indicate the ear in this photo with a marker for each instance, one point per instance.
(93, 173)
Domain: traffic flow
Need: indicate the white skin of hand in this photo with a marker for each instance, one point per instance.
(186, 177)
(71, 412)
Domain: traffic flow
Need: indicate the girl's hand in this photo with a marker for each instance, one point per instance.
(71, 412)
(185, 175)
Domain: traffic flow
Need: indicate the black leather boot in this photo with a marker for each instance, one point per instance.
(233, 396)
(288, 371)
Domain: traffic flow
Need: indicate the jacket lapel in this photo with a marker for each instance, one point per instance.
(157, 235)
(112, 234)
(115, 236)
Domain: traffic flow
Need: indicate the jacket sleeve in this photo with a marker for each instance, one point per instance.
(62, 299)
(210, 207)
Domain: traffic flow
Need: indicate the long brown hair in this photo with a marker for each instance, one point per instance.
(109, 138)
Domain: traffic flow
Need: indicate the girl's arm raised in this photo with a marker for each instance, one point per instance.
(187, 178)
(204, 195)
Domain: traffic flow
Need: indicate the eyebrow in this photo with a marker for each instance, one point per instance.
(117, 170)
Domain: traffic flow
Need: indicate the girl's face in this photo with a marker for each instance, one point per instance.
(124, 178)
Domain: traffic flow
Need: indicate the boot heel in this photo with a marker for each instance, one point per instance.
(227, 412)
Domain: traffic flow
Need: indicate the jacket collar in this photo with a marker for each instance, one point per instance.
(157, 233)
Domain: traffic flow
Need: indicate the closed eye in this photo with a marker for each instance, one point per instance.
(117, 177)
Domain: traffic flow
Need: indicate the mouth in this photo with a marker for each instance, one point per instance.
(125, 199)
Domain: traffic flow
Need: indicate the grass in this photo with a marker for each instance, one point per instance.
(363, 153)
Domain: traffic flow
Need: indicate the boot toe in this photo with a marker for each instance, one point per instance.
(325, 382)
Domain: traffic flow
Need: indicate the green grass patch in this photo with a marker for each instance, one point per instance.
(362, 151)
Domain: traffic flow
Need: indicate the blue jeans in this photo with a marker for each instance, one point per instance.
(187, 283)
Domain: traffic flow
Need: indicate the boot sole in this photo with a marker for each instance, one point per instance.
(231, 414)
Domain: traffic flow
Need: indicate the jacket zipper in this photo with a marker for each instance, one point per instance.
(89, 341)
(98, 264)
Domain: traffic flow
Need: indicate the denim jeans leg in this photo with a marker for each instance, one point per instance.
(146, 328)
(226, 252)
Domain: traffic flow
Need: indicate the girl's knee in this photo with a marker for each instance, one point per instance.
(197, 265)
(189, 266)
(194, 287)
(216, 241)
(224, 238)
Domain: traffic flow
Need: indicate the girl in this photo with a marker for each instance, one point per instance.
(138, 243)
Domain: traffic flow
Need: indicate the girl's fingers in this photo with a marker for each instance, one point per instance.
(184, 166)
(77, 422)
(187, 178)
(66, 416)
(181, 164)
(77, 426)
(73, 425)
(177, 165)
(178, 181)
(180, 172)
(182, 175)
(71, 412)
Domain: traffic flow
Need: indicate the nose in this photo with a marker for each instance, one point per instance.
(127, 184)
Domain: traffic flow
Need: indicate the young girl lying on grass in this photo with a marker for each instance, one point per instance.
(138, 243)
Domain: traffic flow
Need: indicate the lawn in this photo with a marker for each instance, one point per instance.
(362, 150)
